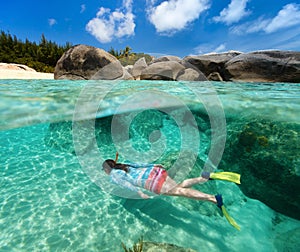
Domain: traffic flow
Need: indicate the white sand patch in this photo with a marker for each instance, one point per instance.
(18, 71)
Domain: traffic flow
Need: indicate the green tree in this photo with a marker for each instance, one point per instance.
(42, 57)
(127, 51)
(114, 52)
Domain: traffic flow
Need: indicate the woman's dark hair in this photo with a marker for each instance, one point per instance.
(109, 163)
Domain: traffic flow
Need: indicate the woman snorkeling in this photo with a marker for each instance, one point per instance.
(154, 178)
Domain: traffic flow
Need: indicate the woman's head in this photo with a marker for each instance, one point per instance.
(110, 164)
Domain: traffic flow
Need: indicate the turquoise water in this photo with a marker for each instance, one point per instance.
(54, 198)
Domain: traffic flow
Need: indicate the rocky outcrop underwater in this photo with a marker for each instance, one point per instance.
(267, 154)
(83, 62)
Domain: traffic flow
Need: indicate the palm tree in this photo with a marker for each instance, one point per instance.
(114, 52)
(127, 51)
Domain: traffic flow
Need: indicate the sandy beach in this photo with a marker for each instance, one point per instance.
(17, 71)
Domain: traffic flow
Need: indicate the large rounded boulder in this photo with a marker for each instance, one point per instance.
(172, 70)
(265, 66)
(212, 64)
(138, 67)
(83, 62)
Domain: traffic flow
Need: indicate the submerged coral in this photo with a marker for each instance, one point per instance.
(266, 154)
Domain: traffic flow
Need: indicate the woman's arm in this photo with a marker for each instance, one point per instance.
(119, 178)
(143, 165)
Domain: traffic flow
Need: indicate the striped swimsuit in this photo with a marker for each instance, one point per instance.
(148, 176)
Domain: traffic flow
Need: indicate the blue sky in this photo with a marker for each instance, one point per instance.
(174, 27)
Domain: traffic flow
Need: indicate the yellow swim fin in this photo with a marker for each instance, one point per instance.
(228, 176)
(229, 218)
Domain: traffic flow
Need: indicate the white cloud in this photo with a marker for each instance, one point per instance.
(174, 15)
(108, 25)
(220, 48)
(287, 17)
(250, 27)
(52, 21)
(235, 11)
(210, 48)
(82, 8)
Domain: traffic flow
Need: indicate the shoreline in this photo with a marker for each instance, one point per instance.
(21, 74)
(19, 71)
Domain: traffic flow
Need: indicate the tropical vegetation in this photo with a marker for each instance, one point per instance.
(127, 57)
(42, 56)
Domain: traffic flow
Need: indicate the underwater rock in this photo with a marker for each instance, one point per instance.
(148, 246)
(164, 247)
(267, 154)
(289, 241)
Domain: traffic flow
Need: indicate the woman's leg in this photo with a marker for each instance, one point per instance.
(171, 188)
(193, 181)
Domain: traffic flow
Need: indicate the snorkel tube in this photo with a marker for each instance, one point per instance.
(117, 156)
